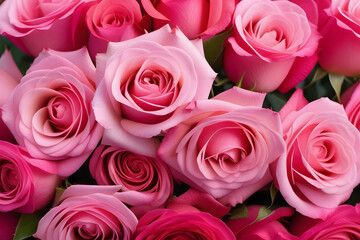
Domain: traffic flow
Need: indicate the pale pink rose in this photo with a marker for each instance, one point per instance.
(267, 228)
(25, 187)
(195, 18)
(343, 223)
(108, 21)
(8, 223)
(36, 24)
(322, 165)
(340, 43)
(273, 44)
(111, 165)
(142, 81)
(161, 224)
(225, 146)
(88, 212)
(351, 101)
(49, 112)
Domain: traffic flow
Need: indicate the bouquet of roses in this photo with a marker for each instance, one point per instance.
(166, 119)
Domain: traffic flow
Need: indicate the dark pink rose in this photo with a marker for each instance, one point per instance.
(225, 146)
(8, 223)
(25, 186)
(195, 18)
(272, 38)
(343, 223)
(267, 228)
(161, 224)
(136, 173)
(49, 112)
(142, 81)
(351, 101)
(322, 165)
(88, 212)
(341, 38)
(36, 24)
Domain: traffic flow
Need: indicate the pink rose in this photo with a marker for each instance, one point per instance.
(273, 45)
(225, 146)
(351, 101)
(322, 165)
(88, 212)
(199, 18)
(267, 228)
(25, 187)
(161, 224)
(108, 21)
(8, 223)
(142, 81)
(343, 223)
(35, 24)
(341, 38)
(111, 165)
(49, 112)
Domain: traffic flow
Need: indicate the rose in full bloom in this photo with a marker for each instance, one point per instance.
(351, 101)
(340, 41)
(111, 165)
(205, 19)
(161, 224)
(25, 185)
(49, 112)
(108, 21)
(322, 165)
(8, 223)
(273, 44)
(343, 223)
(33, 25)
(267, 228)
(225, 146)
(142, 81)
(88, 212)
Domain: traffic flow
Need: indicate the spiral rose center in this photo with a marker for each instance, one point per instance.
(9, 177)
(60, 113)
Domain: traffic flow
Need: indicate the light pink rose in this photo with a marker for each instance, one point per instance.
(49, 112)
(107, 21)
(267, 228)
(8, 223)
(225, 146)
(161, 224)
(273, 44)
(25, 186)
(195, 18)
(351, 101)
(88, 212)
(343, 223)
(341, 38)
(36, 24)
(111, 165)
(142, 81)
(322, 165)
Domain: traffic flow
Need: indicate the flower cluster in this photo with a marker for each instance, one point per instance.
(154, 119)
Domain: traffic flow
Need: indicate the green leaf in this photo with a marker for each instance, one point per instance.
(263, 213)
(213, 47)
(27, 225)
(336, 82)
(239, 212)
(240, 81)
(319, 74)
(273, 193)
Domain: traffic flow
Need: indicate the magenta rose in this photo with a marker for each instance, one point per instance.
(88, 212)
(267, 228)
(225, 146)
(161, 224)
(108, 21)
(343, 223)
(272, 38)
(26, 185)
(341, 38)
(322, 165)
(141, 82)
(111, 165)
(8, 223)
(205, 19)
(49, 112)
(33, 25)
